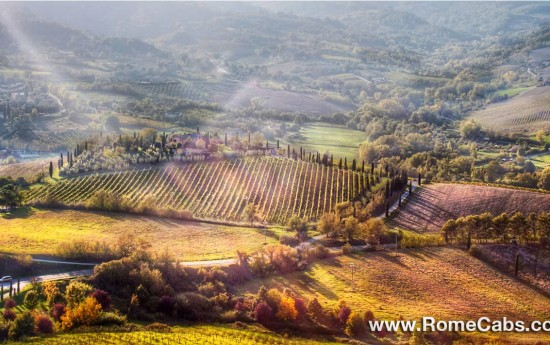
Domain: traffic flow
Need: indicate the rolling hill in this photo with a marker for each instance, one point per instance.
(432, 205)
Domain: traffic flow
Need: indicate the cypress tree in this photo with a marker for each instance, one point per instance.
(345, 163)
(51, 169)
(354, 165)
(340, 164)
(419, 179)
(387, 209)
(331, 160)
(469, 240)
(400, 194)
(301, 154)
(368, 182)
(288, 151)
(363, 166)
(372, 168)
(61, 159)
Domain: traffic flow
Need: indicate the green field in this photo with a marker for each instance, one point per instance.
(34, 231)
(513, 91)
(211, 334)
(337, 140)
(541, 161)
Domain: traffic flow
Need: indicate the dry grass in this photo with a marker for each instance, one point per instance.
(434, 204)
(441, 282)
(518, 114)
(40, 232)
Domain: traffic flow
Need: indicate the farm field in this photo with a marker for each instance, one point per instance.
(337, 140)
(525, 113)
(416, 283)
(207, 334)
(433, 205)
(280, 187)
(513, 92)
(29, 170)
(33, 231)
(541, 161)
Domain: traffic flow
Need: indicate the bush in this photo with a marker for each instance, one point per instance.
(10, 303)
(192, 306)
(289, 240)
(4, 331)
(263, 313)
(44, 324)
(84, 314)
(273, 298)
(287, 311)
(76, 292)
(22, 326)
(166, 305)
(343, 313)
(229, 316)
(57, 311)
(355, 325)
(9, 314)
(346, 248)
(31, 300)
(301, 307)
(103, 298)
(110, 319)
(158, 327)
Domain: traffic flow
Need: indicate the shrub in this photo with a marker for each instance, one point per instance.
(301, 307)
(158, 327)
(84, 314)
(57, 311)
(229, 316)
(50, 290)
(207, 289)
(10, 303)
(9, 314)
(103, 298)
(4, 331)
(166, 305)
(315, 310)
(76, 292)
(192, 306)
(343, 314)
(273, 298)
(355, 325)
(289, 240)
(31, 300)
(110, 319)
(263, 313)
(44, 324)
(22, 326)
(287, 311)
(346, 248)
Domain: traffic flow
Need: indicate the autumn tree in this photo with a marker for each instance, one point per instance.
(329, 223)
(250, 212)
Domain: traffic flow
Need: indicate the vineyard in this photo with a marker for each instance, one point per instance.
(279, 187)
(526, 112)
(184, 90)
(188, 335)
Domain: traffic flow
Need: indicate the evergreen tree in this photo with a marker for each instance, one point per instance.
(51, 169)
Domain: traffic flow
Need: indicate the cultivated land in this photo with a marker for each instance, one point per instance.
(279, 187)
(432, 205)
(32, 231)
(334, 139)
(527, 112)
(212, 334)
(442, 282)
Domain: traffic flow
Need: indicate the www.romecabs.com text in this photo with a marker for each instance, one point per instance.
(483, 324)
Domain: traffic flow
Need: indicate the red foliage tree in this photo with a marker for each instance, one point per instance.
(57, 311)
(103, 298)
(9, 314)
(263, 313)
(44, 324)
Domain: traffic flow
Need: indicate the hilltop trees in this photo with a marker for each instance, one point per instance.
(10, 193)
(502, 228)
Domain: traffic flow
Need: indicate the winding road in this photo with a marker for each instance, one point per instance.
(205, 263)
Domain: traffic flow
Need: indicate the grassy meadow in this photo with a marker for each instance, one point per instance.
(337, 140)
(34, 231)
